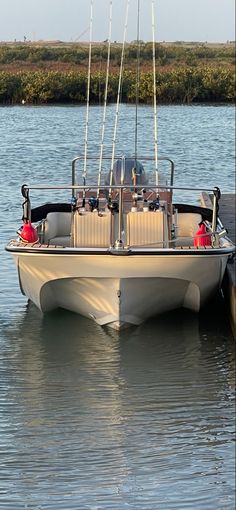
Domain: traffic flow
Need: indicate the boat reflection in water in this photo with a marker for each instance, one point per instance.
(96, 415)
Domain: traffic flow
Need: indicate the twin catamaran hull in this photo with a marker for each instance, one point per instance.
(118, 290)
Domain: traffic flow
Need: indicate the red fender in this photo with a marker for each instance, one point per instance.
(200, 239)
(28, 233)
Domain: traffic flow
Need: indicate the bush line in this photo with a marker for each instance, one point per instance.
(177, 85)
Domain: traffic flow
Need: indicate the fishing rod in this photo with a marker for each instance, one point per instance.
(118, 97)
(88, 99)
(154, 92)
(137, 81)
(105, 104)
(134, 170)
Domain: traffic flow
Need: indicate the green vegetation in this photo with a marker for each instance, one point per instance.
(77, 54)
(184, 85)
(48, 74)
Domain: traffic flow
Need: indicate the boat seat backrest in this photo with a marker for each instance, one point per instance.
(57, 224)
(145, 228)
(91, 229)
(187, 224)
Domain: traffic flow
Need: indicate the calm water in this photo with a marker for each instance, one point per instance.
(93, 419)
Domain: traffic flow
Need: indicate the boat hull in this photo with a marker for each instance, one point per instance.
(119, 290)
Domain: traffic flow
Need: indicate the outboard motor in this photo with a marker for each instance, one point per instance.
(132, 174)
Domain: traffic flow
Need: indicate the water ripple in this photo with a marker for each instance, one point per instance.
(93, 419)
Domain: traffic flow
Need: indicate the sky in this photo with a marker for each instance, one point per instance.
(68, 20)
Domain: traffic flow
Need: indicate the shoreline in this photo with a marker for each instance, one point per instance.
(56, 72)
(182, 86)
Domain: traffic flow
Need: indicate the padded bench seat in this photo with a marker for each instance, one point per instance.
(57, 228)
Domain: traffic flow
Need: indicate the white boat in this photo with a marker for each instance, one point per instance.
(124, 257)
(122, 251)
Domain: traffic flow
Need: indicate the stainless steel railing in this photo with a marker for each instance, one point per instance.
(120, 190)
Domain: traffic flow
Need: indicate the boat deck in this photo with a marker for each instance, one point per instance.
(39, 246)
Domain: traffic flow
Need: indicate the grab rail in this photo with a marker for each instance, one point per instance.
(114, 187)
(121, 189)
